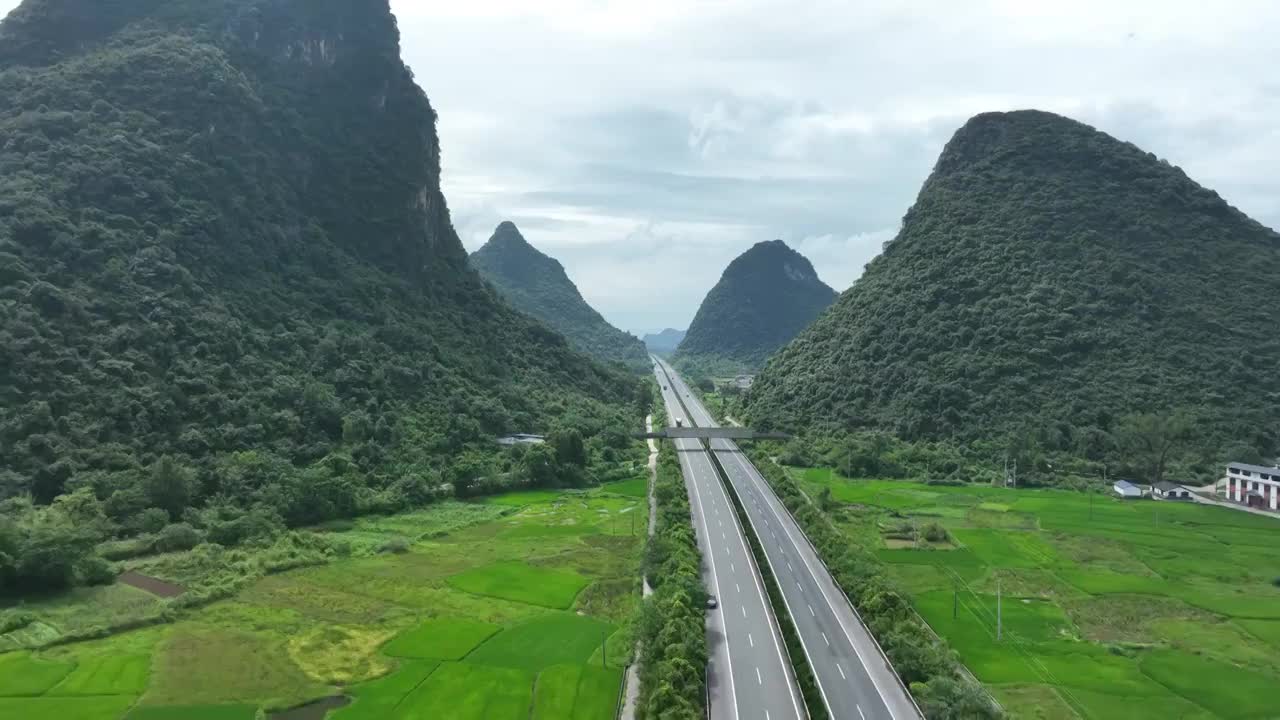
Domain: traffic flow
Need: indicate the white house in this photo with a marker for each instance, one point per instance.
(1166, 490)
(1126, 489)
(1254, 485)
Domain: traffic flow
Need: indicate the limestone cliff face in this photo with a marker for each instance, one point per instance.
(330, 69)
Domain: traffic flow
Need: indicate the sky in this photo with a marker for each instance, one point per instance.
(646, 143)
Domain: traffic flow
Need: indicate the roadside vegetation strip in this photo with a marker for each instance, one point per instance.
(815, 706)
(923, 661)
(671, 630)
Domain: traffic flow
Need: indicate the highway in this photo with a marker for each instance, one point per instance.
(853, 676)
(748, 674)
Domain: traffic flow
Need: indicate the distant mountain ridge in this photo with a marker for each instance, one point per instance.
(1049, 276)
(663, 342)
(536, 284)
(764, 297)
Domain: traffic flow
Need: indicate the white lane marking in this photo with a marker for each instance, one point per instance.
(777, 642)
(811, 611)
(864, 717)
(732, 569)
(715, 579)
(757, 481)
(824, 639)
(759, 680)
(735, 587)
(744, 610)
(841, 671)
(789, 567)
(798, 585)
(751, 640)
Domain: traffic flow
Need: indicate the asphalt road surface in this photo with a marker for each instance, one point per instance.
(748, 675)
(853, 676)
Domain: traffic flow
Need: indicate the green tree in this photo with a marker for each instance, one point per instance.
(169, 486)
(1153, 440)
(570, 448)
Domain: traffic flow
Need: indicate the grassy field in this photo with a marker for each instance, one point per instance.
(499, 609)
(1111, 609)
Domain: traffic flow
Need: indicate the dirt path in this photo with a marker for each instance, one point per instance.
(152, 585)
(631, 697)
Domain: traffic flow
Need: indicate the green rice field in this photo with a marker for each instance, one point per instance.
(517, 606)
(1110, 608)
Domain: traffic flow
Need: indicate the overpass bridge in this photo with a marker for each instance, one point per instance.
(711, 433)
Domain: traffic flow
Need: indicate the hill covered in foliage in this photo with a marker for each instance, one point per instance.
(228, 278)
(766, 295)
(536, 284)
(663, 342)
(1049, 279)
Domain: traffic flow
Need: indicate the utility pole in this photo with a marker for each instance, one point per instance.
(999, 612)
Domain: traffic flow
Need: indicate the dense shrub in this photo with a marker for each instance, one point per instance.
(934, 532)
(397, 545)
(95, 570)
(178, 536)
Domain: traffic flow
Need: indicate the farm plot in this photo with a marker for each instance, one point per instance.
(496, 609)
(1109, 609)
(522, 583)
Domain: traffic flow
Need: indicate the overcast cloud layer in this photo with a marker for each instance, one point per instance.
(645, 143)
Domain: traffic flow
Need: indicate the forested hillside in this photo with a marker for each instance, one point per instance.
(537, 284)
(1049, 280)
(228, 278)
(663, 342)
(766, 295)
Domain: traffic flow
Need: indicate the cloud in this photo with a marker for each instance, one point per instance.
(645, 144)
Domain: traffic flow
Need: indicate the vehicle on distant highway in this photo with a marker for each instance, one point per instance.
(712, 603)
(679, 422)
